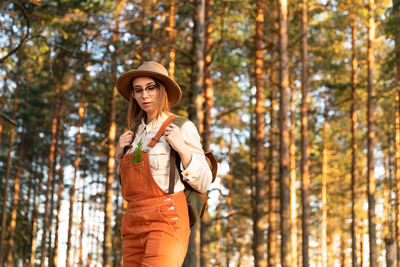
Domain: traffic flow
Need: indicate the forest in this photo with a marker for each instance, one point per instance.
(299, 101)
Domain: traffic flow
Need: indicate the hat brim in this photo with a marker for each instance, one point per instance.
(124, 84)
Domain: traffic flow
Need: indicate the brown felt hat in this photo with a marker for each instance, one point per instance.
(154, 70)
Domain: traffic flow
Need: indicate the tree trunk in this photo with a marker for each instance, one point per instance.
(390, 252)
(50, 248)
(13, 221)
(81, 111)
(35, 211)
(371, 137)
(208, 94)
(80, 260)
(396, 14)
(229, 184)
(208, 89)
(217, 256)
(50, 173)
(59, 200)
(259, 222)
(6, 187)
(172, 34)
(195, 111)
(305, 150)
(108, 206)
(324, 216)
(3, 96)
(284, 174)
(292, 152)
(353, 144)
(197, 78)
(272, 218)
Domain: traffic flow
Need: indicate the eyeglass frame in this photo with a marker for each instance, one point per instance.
(156, 85)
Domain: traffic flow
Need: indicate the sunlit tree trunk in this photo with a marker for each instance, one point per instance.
(81, 111)
(217, 256)
(324, 218)
(172, 34)
(293, 213)
(259, 222)
(208, 89)
(13, 221)
(7, 181)
(208, 95)
(272, 218)
(50, 248)
(371, 137)
(108, 206)
(396, 14)
(284, 174)
(229, 183)
(195, 111)
(117, 248)
(59, 199)
(197, 78)
(305, 150)
(81, 228)
(353, 143)
(34, 223)
(53, 144)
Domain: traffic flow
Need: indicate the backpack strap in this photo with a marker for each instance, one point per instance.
(160, 132)
(172, 163)
(213, 164)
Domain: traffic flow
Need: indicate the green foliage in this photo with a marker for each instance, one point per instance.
(137, 153)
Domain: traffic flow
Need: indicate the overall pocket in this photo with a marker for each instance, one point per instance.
(133, 181)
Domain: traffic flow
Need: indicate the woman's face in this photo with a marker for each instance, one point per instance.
(146, 93)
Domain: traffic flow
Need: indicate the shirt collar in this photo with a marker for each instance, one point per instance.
(154, 124)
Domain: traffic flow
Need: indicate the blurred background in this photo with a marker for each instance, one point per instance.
(298, 100)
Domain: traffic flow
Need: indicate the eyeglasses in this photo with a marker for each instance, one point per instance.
(137, 91)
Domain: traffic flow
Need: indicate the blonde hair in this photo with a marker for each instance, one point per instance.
(136, 114)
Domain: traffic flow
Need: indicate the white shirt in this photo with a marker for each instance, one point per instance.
(197, 174)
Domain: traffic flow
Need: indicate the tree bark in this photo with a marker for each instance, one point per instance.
(292, 152)
(353, 144)
(50, 172)
(259, 220)
(272, 218)
(324, 216)
(81, 111)
(108, 205)
(172, 34)
(13, 221)
(305, 150)
(59, 200)
(83, 202)
(197, 78)
(284, 174)
(229, 184)
(396, 14)
(371, 137)
(6, 186)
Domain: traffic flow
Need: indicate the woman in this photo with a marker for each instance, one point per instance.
(155, 227)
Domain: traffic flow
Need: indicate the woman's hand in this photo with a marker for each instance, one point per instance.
(174, 137)
(125, 140)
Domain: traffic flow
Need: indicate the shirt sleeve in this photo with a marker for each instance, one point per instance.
(197, 174)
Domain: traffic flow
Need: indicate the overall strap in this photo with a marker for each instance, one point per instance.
(160, 132)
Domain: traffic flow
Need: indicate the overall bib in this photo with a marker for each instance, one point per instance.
(155, 226)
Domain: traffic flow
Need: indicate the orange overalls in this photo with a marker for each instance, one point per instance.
(155, 226)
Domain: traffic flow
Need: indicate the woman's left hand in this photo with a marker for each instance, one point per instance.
(174, 137)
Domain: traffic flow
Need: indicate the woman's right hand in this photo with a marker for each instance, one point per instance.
(125, 140)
